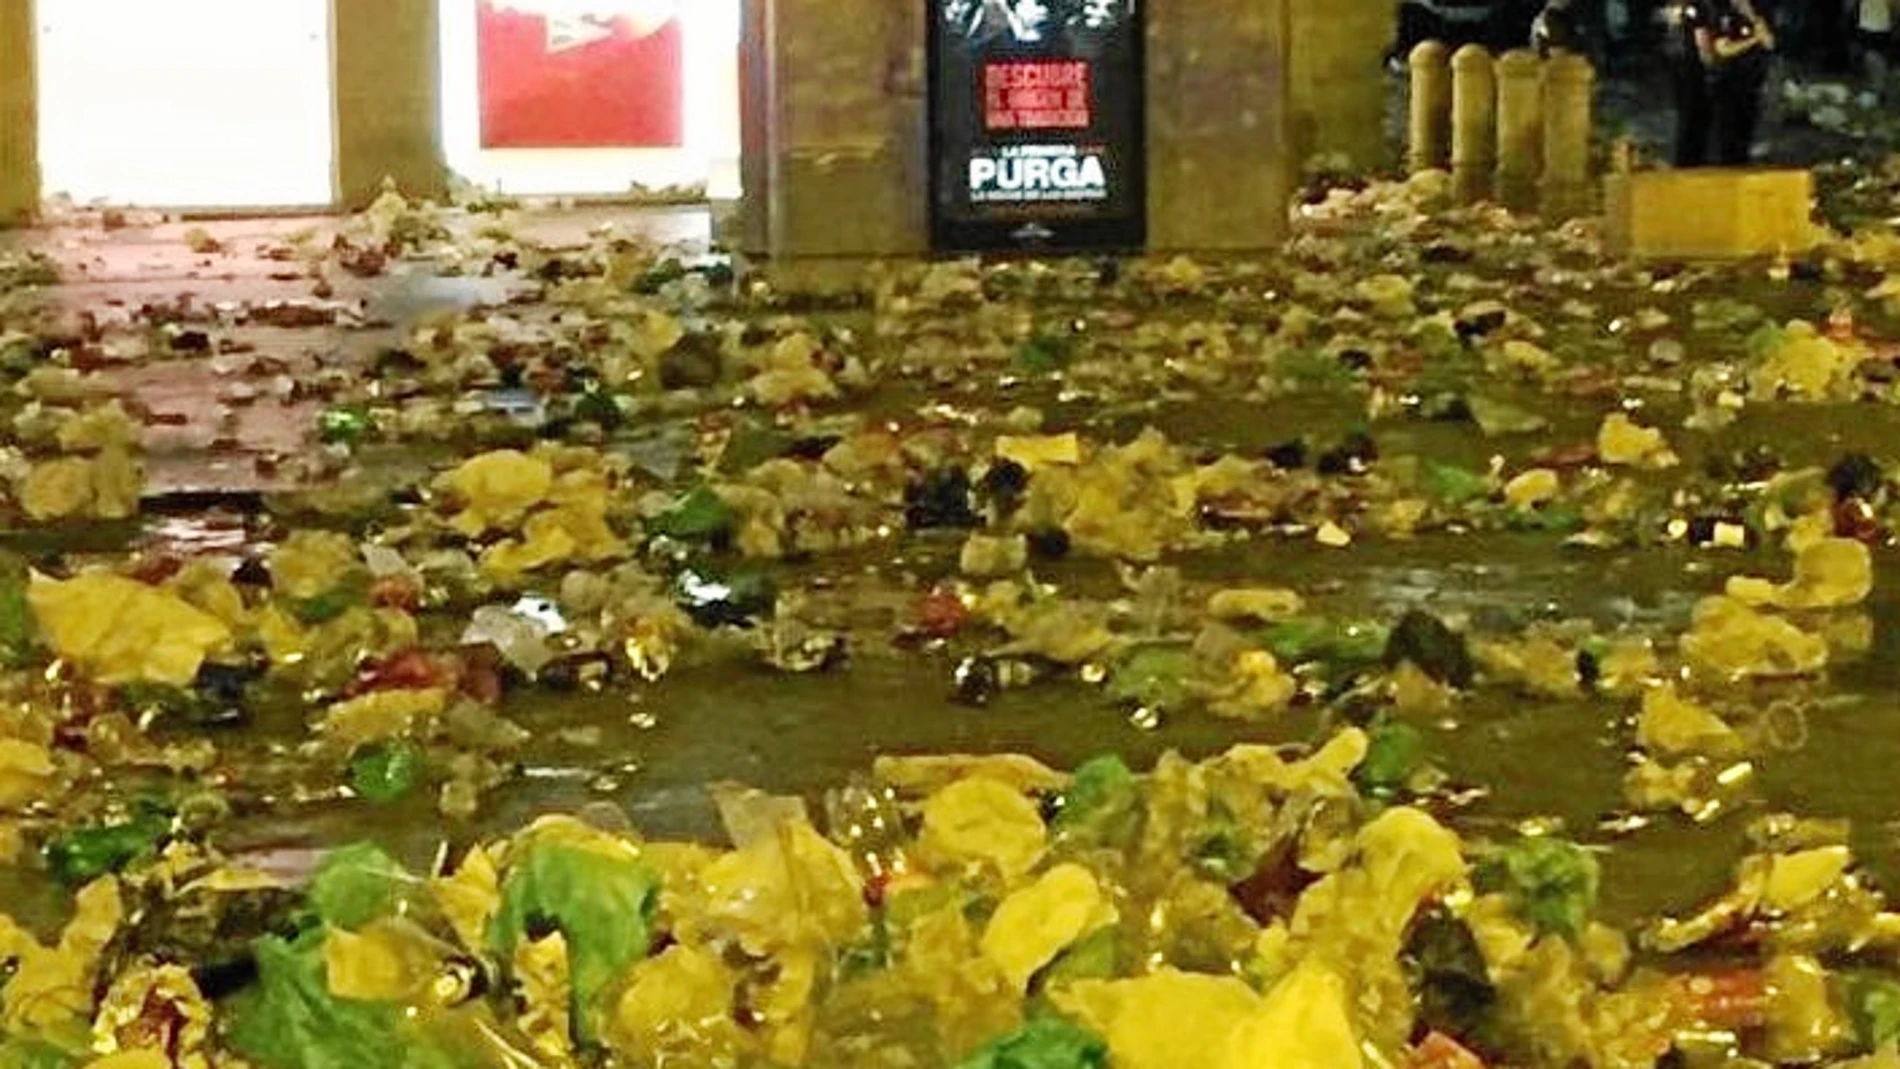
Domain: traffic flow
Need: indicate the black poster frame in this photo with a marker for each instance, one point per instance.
(1029, 232)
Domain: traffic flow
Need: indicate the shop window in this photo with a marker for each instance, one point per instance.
(187, 103)
(592, 97)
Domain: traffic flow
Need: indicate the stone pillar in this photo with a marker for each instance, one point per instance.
(755, 96)
(19, 113)
(1569, 83)
(834, 130)
(386, 60)
(1428, 139)
(1520, 128)
(1473, 124)
(1220, 158)
(1336, 73)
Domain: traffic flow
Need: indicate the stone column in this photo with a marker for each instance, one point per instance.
(385, 58)
(1569, 83)
(835, 148)
(1220, 158)
(1428, 140)
(755, 106)
(1473, 124)
(1336, 70)
(1520, 128)
(19, 113)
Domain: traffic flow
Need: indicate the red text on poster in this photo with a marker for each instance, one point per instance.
(1036, 95)
(561, 76)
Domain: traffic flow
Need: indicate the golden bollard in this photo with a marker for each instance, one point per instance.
(1520, 128)
(1569, 83)
(1473, 124)
(1429, 135)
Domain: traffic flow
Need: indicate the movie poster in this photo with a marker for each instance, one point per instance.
(1036, 125)
(581, 74)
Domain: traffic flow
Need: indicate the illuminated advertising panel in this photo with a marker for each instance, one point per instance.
(581, 74)
(1036, 125)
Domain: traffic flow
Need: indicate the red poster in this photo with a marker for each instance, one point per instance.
(581, 74)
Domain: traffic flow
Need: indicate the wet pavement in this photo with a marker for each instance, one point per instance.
(205, 431)
(570, 518)
(209, 440)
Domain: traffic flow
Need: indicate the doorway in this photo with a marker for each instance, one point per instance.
(187, 103)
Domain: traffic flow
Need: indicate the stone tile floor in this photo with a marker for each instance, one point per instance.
(197, 438)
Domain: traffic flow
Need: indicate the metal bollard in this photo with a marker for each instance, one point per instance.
(1473, 124)
(1569, 83)
(1429, 133)
(1520, 128)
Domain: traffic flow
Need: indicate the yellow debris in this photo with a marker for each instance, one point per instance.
(1415, 692)
(204, 584)
(545, 980)
(1304, 1023)
(1535, 487)
(926, 773)
(1805, 365)
(789, 373)
(575, 532)
(121, 631)
(1387, 295)
(381, 715)
(1043, 451)
(1622, 442)
(1327, 772)
(1795, 880)
(470, 897)
(1263, 604)
(133, 1059)
(1671, 725)
(309, 564)
(981, 822)
(1034, 925)
(1255, 686)
(679, 1003)
(53, 986)
(987, 557)
(497, 489)
(1406, 857)
(1526, 357)
(790, 890)
(1166, 1020)
(1830, 574)
(26, 773)
(388, 961)
(1805, 1022)
(99, 429)
(1730, 640)
(105, 487)
(122, 1025)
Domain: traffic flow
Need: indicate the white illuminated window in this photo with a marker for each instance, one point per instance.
(187, 103)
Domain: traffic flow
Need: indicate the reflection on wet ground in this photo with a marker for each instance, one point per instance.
(1536, 758)
(654, 751)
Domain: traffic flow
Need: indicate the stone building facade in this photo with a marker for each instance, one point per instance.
(1239, 93)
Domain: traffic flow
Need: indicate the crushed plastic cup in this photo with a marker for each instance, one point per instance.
(519, 632)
